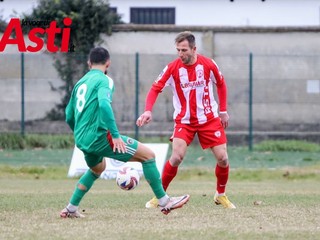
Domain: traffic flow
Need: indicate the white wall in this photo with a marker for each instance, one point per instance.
(236, 13)
(283, 64)
(212, 12)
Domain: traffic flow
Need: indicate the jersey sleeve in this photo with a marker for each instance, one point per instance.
(151, 98)
(156, 88)
(107, 118)
(221, 88)
(222, 95)
(69, 111)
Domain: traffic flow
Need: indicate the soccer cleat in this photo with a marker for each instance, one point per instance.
(153, 203)
(65, 213)
(174, 203)
(223, 200)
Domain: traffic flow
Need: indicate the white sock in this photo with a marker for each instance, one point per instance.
(164, 200)
(72, 208)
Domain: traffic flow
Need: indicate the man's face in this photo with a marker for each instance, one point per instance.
(185, 53)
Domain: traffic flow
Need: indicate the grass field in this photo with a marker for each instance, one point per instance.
(289, 209)
(239, 157)
(276, 193)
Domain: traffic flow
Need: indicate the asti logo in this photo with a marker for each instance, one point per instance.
(38, 30)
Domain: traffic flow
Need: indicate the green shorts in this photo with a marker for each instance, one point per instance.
(104, 148)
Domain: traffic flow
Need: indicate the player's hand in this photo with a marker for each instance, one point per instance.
(145, 118)
(119, 145)
(224, 116)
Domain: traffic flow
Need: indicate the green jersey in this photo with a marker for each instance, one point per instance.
(89, 113)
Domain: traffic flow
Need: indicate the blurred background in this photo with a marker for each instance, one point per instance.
(268, 51)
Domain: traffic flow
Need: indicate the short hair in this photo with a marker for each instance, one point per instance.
(99, 55)
(186, 35)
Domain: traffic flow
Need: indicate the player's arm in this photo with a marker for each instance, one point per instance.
(70, 115)
(220, 84)
(107, 119)
(222, 96)
(152, 96)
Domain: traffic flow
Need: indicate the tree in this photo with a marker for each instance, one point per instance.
(90, 18)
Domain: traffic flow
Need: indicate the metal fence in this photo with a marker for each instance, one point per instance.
(285, 92)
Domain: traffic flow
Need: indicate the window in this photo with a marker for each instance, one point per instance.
(152, 15)
(113, 9)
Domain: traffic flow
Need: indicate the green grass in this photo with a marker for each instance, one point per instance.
(36, 157)
(240, 157)
(54, 163)
(275, 189)
(32, 141)
(288, 146)
(287, 209)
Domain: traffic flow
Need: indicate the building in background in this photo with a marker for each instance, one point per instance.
(202, 12)
(220, 12)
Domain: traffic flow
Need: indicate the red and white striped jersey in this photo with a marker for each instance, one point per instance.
(192, 87)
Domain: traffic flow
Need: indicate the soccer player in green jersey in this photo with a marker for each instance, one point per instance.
(90, 116)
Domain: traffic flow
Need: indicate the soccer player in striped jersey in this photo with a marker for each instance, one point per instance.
(90, 116)
(193, 78)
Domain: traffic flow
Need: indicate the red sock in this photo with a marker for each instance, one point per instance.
(222, 175)
(169, 172)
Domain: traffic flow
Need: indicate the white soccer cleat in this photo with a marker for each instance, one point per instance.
(65, 213)
(174, 203)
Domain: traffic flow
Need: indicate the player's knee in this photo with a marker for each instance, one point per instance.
(144, 153)
(152, 154)
(98, 172)
(149, 154)
(176, 159)
(223, 162)
(99, 168)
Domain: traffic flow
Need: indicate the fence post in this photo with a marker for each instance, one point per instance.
(136, 135)
(250, 137)
(22, 95)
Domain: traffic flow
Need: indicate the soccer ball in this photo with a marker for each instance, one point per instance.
(127, 178)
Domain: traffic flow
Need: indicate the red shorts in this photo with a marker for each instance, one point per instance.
(210, 134)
